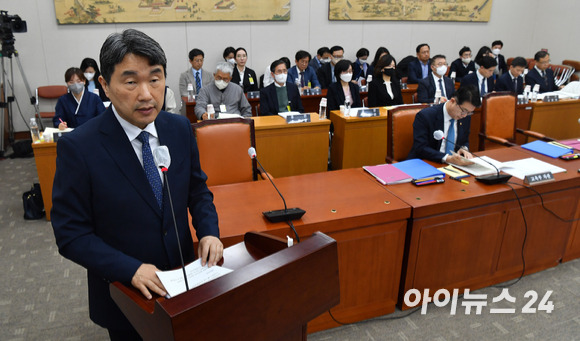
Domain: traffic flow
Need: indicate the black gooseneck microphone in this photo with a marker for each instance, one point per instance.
(287, 214)
(487, 179)
(163, 160)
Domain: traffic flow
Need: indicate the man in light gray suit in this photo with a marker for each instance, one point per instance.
(196, 76)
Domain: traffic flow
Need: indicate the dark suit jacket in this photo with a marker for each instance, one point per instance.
(335, 96)
(378, 95)
(460, 70)
(501, 64)
(427, 87)
(415, 73)
(269, 99)
(426, 122)
(324, 74)
(105, 216)
(505, 83)
(473, 80)
(533, 77)
(248, 86)
(309, 76)
(358, 71)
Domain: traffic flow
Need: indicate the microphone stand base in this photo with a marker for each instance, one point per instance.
(284, 215)
(494, 179)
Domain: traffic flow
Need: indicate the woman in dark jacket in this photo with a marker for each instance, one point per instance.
(385, 89)
(343, 89)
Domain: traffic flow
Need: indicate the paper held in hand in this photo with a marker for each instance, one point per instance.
(196, 275)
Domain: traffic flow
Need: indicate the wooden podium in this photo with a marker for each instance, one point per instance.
(271, 294)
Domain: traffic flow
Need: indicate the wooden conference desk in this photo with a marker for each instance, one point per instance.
(368, 223)
(292, 149)
(470, 236)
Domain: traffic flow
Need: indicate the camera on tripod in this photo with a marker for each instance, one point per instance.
(10, 24)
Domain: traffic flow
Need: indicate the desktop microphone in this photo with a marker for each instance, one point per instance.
(487, 179)
(287, 214)
(162, 160)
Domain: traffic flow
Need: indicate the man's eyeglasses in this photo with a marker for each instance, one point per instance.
(465, 111)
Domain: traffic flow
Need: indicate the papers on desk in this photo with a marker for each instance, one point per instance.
(517, 168)
(196, 275)
(223, 115)
(404, 171)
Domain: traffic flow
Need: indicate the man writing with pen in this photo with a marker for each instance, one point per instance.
(77, 106)
(453, 119)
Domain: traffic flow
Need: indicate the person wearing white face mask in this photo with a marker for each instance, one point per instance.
(280, 96)
(326, 75)
(78, 106)
(360, 67)
(224, 95)
(91, 72)
(343, 90)
(463, 65)
(496, 47)
(436, 81)
(322, 57)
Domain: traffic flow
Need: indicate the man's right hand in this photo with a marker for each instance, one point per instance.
(204, 116)
(458, 160)
(146, 279)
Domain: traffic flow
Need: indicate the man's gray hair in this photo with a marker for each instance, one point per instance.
(225, 67)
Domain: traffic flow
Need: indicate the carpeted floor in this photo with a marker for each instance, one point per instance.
(44, 296)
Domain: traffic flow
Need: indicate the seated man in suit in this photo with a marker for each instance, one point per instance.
(453, 119)
(224, 95)
(302, 73)
(280, 96)
(322, 56)
(541, 73)
(326, 74)
(196, 75)
(482, 79)
(463, 65)
(436, 81)
(513, 80)
(496, 47)
(111, 211)
(419, 68)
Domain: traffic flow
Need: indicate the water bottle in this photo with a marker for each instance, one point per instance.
(297, 82)
(437, 97)
(34, 133)
(322, 109)
(346, 108)
(190, 95)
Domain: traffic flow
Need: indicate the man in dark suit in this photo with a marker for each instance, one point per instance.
(326, 72)
(496, 47)
(419, 68)
(453, 119)
(436, 81)
(322, 56)
(280, 96)
(111, 210)
(302, 73)
(541, 73)
(463, 65)
(513, 80)
(482, 79)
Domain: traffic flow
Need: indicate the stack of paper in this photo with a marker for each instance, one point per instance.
(480, 167)
(197, 275)
(453, 172)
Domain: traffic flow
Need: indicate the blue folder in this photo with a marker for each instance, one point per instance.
(418, 169)
(547, 149)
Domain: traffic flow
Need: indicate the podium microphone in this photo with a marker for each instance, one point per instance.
(487, 179)
(162, 160)
(287, 214)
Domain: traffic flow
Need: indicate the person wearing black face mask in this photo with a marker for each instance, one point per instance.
(385, 89)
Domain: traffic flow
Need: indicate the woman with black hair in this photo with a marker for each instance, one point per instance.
(91, 72)
(343, 90)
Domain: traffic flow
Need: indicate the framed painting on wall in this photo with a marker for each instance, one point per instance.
(131, 11)
(410, 10)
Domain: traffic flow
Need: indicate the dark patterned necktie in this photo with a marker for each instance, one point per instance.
(150, 168)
